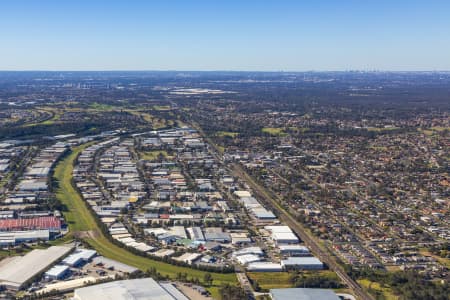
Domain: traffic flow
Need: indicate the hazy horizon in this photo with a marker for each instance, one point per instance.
(231, 35)
(232, 71)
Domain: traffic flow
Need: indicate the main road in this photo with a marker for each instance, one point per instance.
(289, 220)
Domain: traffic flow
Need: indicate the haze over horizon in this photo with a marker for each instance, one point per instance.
(231, 36)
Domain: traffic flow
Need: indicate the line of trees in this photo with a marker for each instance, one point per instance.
(406, 284)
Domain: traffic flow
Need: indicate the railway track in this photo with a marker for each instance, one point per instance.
(287, 218)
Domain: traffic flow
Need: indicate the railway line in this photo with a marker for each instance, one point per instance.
(287, 218)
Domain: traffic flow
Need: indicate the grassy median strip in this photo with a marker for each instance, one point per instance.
(82, 222)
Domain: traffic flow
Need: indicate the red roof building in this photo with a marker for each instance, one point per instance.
(51, 223)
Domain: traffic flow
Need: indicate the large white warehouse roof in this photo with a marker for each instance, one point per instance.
(135, 289)
(16, 272)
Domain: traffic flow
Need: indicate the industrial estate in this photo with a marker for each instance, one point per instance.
(168, 185)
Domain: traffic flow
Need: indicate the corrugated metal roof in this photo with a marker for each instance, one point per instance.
(303, 294)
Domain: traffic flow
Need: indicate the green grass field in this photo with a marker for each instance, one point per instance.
(152, 155)
(161, 107)
(274, 131)
(433, 130)
(375, 286)
(101, 106)
(442, 260)
(299, 129)
(381, 129)
(83, 224)
(227, 133)
(439, 128)
(269, 281)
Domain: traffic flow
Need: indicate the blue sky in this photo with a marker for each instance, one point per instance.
(225, 35)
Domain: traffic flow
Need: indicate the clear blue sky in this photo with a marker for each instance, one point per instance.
(225, 35)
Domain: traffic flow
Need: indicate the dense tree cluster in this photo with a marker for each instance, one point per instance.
(406, 284)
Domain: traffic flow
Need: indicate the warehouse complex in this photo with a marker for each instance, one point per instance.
(11, 238)
(18, 271)
(51, 223)
(303, 294)
(135, 289)
(302, 263)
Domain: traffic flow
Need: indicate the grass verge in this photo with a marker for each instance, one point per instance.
(83, 224)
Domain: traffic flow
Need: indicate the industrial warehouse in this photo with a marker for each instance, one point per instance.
(19, 270)
(136, 289)
(25, 217)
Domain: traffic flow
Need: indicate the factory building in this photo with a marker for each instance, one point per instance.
(294, 250)
(58, 272)
(135, 289)
(264, 267)
(302, 263)
(17, 271)
(12, 238)
(282, 235)
(114, 265)
(79, 257)
(196, 234)
(51, 223)
(302, 294)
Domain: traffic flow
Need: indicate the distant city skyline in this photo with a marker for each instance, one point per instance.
(322, 35)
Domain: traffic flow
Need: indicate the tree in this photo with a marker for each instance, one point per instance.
(208, 279)
(232, 292)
